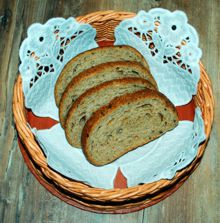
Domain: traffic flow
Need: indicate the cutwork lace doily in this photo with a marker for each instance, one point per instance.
(44, 53)
(170, 45)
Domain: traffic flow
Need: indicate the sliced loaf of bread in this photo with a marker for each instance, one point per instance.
(93, 99)
(126, 123)
(97, 75)
(94, 57)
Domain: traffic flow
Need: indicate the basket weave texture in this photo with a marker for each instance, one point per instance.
(105, 22)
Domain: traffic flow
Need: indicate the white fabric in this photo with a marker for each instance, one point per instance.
(161, 45)
(70, 161)
(159, 159)
(50, 46)
(44, 53)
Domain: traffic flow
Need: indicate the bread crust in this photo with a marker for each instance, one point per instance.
(88, 52)
(101, 113)
(91, 91)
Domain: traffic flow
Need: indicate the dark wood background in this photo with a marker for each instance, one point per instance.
(23, 199)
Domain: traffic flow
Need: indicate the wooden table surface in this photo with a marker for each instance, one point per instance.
(23, 199)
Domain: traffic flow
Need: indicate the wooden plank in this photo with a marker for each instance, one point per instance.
(23, 199)
(8, 142)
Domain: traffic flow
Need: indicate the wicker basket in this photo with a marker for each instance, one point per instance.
(114, 200)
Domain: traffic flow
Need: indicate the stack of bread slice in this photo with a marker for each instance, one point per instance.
(109, 103)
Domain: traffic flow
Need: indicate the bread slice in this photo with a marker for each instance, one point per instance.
(125, 123)
(97, 75)
(94, 57)
(93, 99)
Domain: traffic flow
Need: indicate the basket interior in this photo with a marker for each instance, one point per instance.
(105, 22)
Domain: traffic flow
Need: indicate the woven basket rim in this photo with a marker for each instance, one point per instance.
(204, 99)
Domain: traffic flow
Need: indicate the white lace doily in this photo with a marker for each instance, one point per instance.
(44, 53)
(156, 160)
(169, 44)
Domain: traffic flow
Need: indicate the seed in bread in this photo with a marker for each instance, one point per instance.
(93, 99)
(126, 123)
(94, 57)
(97, 75)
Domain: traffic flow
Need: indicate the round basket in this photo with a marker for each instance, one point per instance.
(96, 199)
